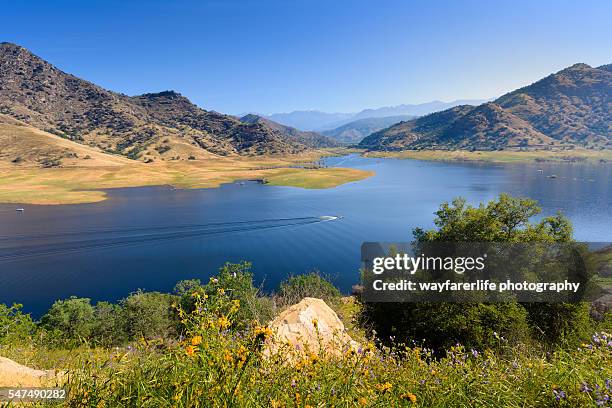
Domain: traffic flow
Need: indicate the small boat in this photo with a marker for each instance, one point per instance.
(553, 176)
(20, 210)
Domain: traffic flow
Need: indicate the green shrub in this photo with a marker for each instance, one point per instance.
(504, 220)
(15, 326)
(71, 319)
(312, 284)
(149, 315)
(108, 328)
(236, 281)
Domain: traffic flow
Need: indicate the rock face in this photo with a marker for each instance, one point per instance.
(13, 374)
(309, 326)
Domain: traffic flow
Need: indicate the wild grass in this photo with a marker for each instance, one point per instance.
(506, 156)
(214, 366)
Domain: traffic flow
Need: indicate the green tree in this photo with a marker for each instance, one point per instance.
(71, 319)
(148, 315)
(108, 329)
(16, 327)
(479, 325)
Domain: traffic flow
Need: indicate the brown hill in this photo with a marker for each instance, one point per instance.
(24, 145)
(310, 139)
(571, 107)
(164, 125)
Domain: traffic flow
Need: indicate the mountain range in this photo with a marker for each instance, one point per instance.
(153, 126)
(354, 132)
(572, 107)
(323, 121)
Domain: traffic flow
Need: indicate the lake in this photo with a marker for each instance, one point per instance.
(152, 237)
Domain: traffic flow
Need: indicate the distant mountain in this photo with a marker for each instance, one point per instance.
(322, 121)
(415, 109)
(310, 139)
(310, 120)
(570, 107)
(353, 132)
(156, 125)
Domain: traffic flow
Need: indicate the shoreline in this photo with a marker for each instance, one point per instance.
(502, 156)
(82, 185)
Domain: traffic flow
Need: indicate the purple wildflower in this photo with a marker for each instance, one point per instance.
(559, 394)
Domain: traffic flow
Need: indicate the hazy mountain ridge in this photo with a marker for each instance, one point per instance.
(354, 132)
(323, 121)
(570, 107)
(163, 124)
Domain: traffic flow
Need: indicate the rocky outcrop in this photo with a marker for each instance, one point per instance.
(13, 374)
(310, 326)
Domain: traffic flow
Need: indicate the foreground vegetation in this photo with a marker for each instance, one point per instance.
(205, 344)
(501, 156)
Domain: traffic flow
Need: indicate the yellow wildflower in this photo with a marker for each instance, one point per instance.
(196, 340)
(190, 350)
(409, 396)
(223, 322)
(221, 291)
(384, 387)
(363, 401)
(262, 332)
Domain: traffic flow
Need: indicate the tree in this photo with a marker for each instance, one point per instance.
(148, 315)
(71, 318)
(477, 325)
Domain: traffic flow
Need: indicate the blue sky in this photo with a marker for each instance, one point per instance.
(278, 56)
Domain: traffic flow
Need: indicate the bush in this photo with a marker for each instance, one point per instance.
(15, 326)
(108, 328)
(312, 284)
(149, 315)
(235, 281)
(504, 220)
(70, 319)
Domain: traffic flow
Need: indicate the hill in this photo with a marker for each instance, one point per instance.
(311, 139)
(163, 125)
(24, 145)
(569, 108)
(354, 132)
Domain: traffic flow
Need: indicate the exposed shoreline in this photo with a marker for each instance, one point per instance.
(80, 185)
(503, 156)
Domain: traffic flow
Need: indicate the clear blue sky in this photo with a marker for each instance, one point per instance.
(277, 56)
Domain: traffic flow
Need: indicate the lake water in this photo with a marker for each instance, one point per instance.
(150, 238)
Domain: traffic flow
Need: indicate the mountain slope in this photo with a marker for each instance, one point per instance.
(571, 107)
(163, 124)
(354, 132)
(24, 145)
(311, 139)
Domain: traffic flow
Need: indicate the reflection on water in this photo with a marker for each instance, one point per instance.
(151, 237)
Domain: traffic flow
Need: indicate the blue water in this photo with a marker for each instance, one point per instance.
(149, 238)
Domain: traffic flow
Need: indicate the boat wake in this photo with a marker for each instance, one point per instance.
(34, 245)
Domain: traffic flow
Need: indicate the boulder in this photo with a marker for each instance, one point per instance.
(13, 374)
(309, 326)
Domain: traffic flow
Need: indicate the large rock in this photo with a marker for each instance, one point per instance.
(13, 374)
(309, 326)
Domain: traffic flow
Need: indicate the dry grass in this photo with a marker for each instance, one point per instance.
(505, 156)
